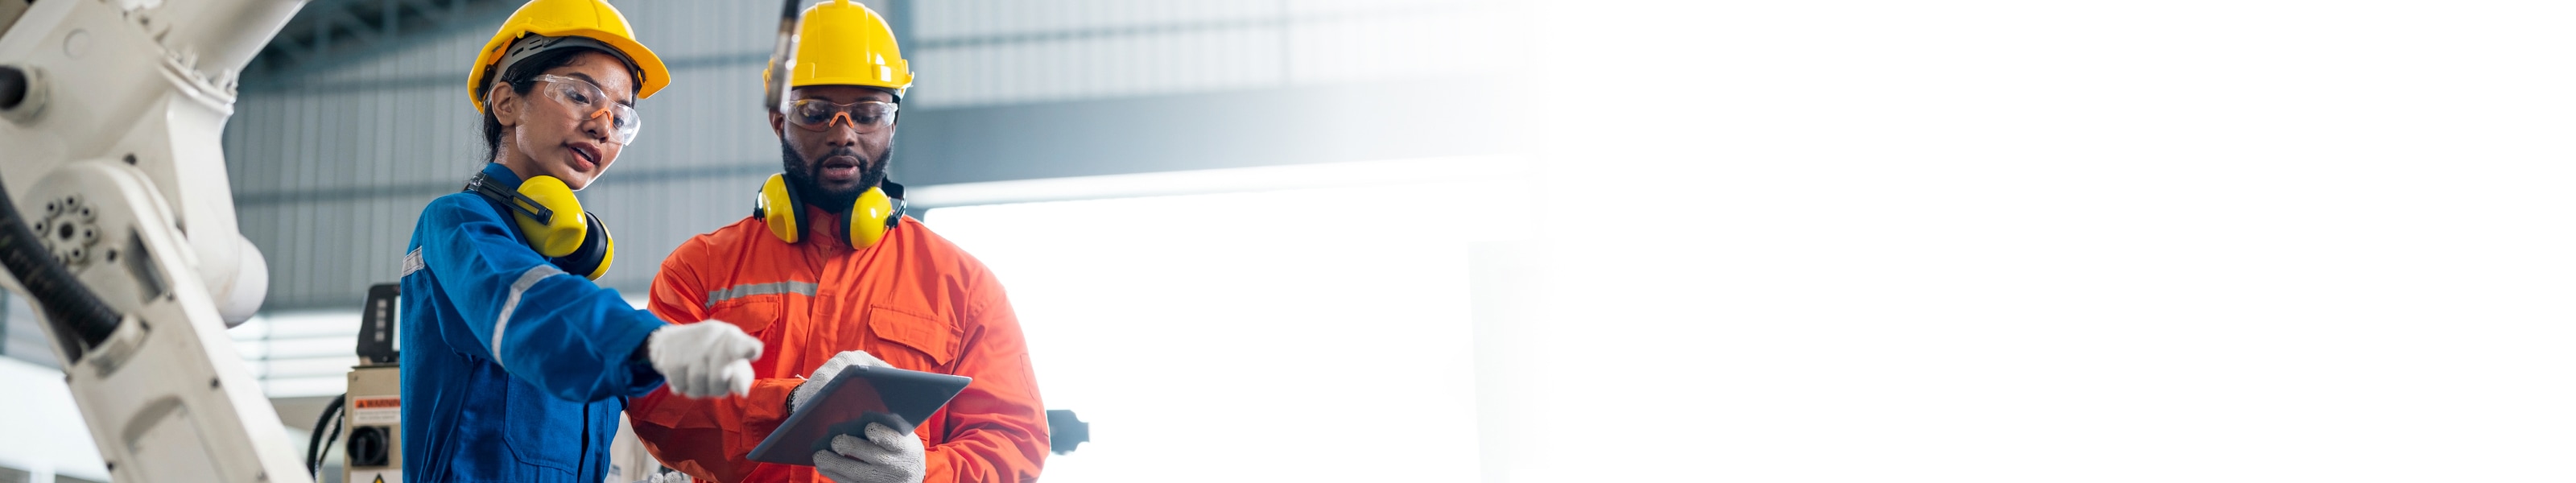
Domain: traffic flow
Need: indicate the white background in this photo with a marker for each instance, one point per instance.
(2068, 241)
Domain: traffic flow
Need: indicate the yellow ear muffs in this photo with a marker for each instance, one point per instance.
(871, 218)
(874, 214)
(778, 206)
(607, 254)
(545, 211)
(562, 231)
(597, 250)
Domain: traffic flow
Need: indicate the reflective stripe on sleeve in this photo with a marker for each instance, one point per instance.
(411, 263)
(750, 289)
(527, 279)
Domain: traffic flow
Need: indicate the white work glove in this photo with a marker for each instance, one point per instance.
(886, 456)
(705, 359)
(671, 477)
(823, 375)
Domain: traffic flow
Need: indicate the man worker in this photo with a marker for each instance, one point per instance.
(828, 274)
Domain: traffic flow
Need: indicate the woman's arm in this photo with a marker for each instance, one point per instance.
(558, 331)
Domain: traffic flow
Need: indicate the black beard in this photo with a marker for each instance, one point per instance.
(800, 177)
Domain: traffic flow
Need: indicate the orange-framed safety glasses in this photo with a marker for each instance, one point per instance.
(588, 101)
(864, 116)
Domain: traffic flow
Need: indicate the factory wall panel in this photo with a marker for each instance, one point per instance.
(316, 177)
(443, 56)
(999, 52)
(700, 127)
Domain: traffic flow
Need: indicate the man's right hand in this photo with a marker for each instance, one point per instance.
(705, 359)
(823, 375)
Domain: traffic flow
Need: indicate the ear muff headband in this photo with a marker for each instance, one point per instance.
(508, 200)
(547, 215)
(871, 217)
(557, 235)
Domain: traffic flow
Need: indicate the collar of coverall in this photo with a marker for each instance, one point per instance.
(500, 173)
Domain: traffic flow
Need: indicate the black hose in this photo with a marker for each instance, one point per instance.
(313, 444)
(69, 306)
(325, 455)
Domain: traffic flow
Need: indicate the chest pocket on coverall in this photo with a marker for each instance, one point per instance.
(933, 342)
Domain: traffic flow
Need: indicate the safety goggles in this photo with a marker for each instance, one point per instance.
(585, 98)
(816, 114)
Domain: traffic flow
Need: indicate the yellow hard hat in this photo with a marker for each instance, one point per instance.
(843, 43)
(593, 19)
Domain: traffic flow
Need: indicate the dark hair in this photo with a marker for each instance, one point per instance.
(522, 77)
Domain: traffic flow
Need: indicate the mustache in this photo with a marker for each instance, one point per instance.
(843, 151)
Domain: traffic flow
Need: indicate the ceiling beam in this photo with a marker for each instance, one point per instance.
(334, 32)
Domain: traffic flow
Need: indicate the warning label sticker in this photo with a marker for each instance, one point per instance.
(375, 476)
(375, 410)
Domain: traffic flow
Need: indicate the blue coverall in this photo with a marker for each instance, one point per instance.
(512, 370)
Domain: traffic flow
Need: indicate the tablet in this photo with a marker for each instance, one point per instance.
(857, 396)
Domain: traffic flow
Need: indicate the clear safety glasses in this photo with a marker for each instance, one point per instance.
(816, 114)
(588, 101)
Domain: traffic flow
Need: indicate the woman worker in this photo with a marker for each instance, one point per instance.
(514, 365)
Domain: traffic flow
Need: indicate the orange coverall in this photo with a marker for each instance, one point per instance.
(914, 300)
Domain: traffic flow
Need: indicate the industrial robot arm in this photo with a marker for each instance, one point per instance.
(117, 221)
